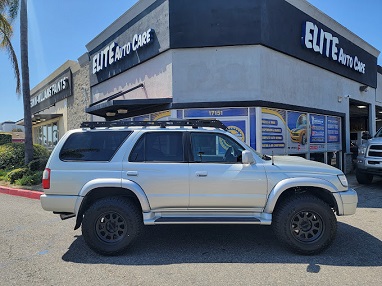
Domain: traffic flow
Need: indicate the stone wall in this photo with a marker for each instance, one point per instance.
(80, 99)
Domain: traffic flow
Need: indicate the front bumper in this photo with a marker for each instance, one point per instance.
(371, 165)
(347, 202)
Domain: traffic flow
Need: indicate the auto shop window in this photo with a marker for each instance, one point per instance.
(159, 147)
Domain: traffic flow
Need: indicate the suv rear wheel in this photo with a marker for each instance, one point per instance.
(110, 225)
(306, 224)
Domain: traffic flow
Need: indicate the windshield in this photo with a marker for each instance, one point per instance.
(379, 133)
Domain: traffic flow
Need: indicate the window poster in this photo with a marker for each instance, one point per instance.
(317, 133)
(333, 133)
(297, 127)
(142, 118)
(235, 126)
(161, 116)
(273, 131)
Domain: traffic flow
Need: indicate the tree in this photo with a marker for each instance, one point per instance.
(25, 81)
(8, 12)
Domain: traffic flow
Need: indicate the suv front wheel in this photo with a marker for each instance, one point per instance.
(306, 224)
(110, 225)
(363, 178)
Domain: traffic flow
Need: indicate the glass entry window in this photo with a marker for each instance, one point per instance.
(47, 135)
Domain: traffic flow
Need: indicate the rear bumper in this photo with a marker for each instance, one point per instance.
(349, 200)
(58, 203)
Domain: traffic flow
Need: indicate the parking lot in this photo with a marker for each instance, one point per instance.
(37, 248)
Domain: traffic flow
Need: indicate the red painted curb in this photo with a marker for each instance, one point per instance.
(21, 193)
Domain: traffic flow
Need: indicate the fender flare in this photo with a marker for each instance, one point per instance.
(113, 183)
(286, 184)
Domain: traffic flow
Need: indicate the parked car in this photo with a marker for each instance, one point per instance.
(369, 159)
(115, 177)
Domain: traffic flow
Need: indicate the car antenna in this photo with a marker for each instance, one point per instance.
(273, 162)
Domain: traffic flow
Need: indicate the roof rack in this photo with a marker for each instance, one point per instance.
(194, 123)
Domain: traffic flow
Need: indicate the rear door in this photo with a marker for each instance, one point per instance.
(157, 163)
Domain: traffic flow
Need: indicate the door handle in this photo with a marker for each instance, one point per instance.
(201, 174)
(132, 173)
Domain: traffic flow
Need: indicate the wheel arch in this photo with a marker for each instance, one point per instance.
(287, 188)
(101, 188)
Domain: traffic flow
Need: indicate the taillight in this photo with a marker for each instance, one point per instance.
(46, 179)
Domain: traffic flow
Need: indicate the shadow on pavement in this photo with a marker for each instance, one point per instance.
(182, 244)
(370, 196)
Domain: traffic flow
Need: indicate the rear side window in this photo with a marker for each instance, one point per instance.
(158, 147)
(93, 146)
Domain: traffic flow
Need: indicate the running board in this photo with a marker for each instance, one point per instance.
(207, 220)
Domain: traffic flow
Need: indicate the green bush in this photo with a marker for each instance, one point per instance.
(38, 164)
(30, 179)
(3, 174)
(12, 155)
(16, 174)
(5, 138)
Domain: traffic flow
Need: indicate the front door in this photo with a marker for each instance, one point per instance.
(219, 180)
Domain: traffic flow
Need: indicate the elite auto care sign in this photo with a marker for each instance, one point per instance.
(113, 53)
(328, 45)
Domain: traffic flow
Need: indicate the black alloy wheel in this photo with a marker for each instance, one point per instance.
(111, 227)
(306, 226)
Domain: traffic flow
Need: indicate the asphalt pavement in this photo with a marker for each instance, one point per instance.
(37, 248)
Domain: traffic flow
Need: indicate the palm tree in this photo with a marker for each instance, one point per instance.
(25, 81)
(8, 12)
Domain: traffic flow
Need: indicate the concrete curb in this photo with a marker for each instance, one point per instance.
(21, 193)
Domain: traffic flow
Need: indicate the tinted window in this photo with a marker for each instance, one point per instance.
(212, 147)
(158, 147)
(93, 146)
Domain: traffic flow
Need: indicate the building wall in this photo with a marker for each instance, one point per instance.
(216, 74)
(156, 75)
(250, 73)
(378, 94)
(80, 99)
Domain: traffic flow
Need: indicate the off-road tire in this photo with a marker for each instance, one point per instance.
(305, 224)
(363, 178)
(110, 225)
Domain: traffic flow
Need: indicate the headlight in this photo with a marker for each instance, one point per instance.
(362, 150)
(343, 180)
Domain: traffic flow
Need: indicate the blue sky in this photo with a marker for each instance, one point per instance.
(59, 31)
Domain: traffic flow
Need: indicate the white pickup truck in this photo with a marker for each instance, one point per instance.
(369, 159)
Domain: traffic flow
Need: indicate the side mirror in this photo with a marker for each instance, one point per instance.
(247, 157)
(366, 136)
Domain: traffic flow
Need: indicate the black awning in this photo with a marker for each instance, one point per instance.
(118, 109)
(39, 118)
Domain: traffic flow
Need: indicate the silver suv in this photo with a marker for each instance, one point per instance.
(115, 177)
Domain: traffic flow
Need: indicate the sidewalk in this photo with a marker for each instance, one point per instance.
(21, 192)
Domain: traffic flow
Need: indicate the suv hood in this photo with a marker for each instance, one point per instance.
(297, 166)
(376, 140)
